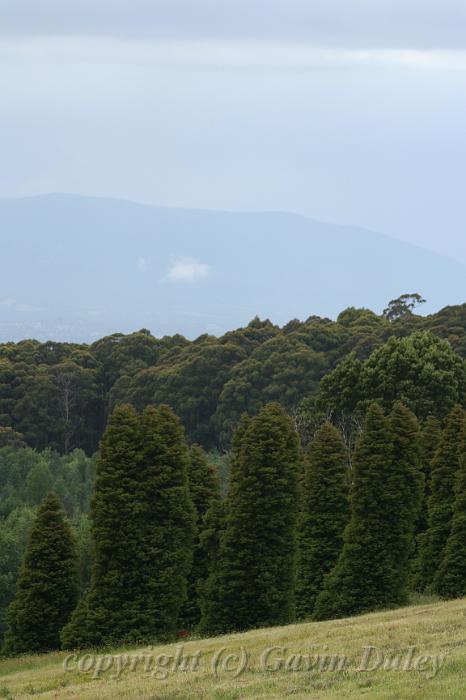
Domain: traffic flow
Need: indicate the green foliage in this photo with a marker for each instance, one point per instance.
(57, 406)
(255, 578)
(371, 571)
(402, 306)
(142, 526)
(58, 395)
(324, 514)
(168, 522)
(444, 468)
(450, 579)
(204, 490)
(430, 440)
(114, 595)
(420, 370)
(191, 386)
(14, 534)
(10, 438)
(26, 476)
(210, 536)
(406, 480)
(283, 369)
(47, 588)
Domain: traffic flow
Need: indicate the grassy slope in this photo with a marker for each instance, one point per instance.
(438, 628)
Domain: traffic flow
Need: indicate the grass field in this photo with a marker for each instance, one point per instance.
(423, 647)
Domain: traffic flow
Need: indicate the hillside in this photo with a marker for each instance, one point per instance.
(76, 268)
(435, 630)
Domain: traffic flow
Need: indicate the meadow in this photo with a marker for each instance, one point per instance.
(419, 652)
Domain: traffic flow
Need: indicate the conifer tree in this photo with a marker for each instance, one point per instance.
(48, 584)
(430, 440)
(450, 579)
(112, 610)
(444, 469)
(406, 481)
(210, 536)
(324, 514)
(204, 491)
(169, 521)
(142, 525)
(214, 617)
(257, 564)
(364, 577)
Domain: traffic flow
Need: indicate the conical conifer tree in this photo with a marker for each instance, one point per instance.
(142, 524)
(204, 490)
(214, 617)
(444, 469)
(168, 521)
(406, 481)
(324, 514)
(257, 565)
(364, 577)
(113, 608)
(450, 579)
(48, 584)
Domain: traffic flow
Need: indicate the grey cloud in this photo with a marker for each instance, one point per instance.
(421, 24)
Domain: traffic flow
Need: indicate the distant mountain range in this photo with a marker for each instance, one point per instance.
(76, 268)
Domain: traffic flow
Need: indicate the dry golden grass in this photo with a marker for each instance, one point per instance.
(435, 630)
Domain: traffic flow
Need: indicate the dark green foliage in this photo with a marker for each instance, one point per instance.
(25, 476)
(284, 368)
(190, 385)
(420, 370)
(366, 576)
(58, 394)
(210, 535)
(203, 481)
(142, 526)
(444, 469)
(114, 599)
(450, 579)
(324, 514)
(204, 490)
(14, 535)
(211, 538)
(255, 579)
(168, 522)
(10, 438)
(47, 588)
(430, 440)
(58, 406)
(406, 481)
(402, 306)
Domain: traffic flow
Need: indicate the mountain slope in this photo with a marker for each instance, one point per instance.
(75, 268)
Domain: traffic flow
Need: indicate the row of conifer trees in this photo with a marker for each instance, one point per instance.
(297, 536)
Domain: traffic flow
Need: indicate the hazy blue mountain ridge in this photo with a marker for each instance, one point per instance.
(76, 268)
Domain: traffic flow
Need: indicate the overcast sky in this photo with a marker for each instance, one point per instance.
(348, 111)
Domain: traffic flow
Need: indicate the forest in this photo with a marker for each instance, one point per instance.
(59, 395)
(270, 475)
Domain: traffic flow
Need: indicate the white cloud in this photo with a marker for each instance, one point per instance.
(187, 270)
(142, 263)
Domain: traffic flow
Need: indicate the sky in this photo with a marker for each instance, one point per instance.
(347, 111)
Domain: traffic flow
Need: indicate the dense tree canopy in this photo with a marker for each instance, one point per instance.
(420, 370)
(59, 395)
